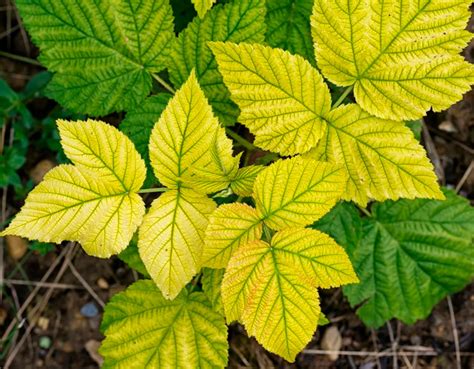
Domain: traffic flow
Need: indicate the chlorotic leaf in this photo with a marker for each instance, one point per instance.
(412, 255)
(282, 98)
(230, 226)
(382, 158)
(94, 201)
(242, 183)
(171, 238)
(183, 333)
(297, 191)
(236, 21)
(139, 122)
(272, 288)
(101, 52)
(211, 286)
(202, 6)
(401, 57)
(288, 24)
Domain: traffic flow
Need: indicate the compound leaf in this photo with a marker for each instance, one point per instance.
(272, 288)
(202, 6)
(94, 201)
(183, 333)
(102, 52)
(382, 158)
(171, 238)
(412, 255)
(297, 192)
(236, 21)
(282, 98)
(401, 57)
(230, 226)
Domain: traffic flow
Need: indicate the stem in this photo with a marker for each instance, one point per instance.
(20, 58)
(341, 99)
(152, 190)
(248, 145)
(364, 210)
(163, 83)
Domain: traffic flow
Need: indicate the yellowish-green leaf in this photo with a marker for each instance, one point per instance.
(401, 57)
(297, 192)
(242, 183)
(230, 226)
(187, 139)
(171, 238)
(272, 288)
(281, 96)
(382, 158)
(211, 285)
(202, 6)
(94, 201)
(144, 330)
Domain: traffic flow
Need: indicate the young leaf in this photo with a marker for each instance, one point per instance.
(298, 191)
(94, 201)
(236, 21)
(202, 6)
(401, 57)
(211, 286)
(272, 288)
(230, 226)
(382, 158)
(171, 238)
(289, 26)
(282, 98)
(102, 52)
(242, 183)
(412, 255)
(184, 141)
(144, 330)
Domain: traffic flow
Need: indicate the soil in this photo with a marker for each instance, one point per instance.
(61, 336)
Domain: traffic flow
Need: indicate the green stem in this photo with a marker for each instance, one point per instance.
(241, 140)
(20, 58)
(153, 190)
(364, 210)
(341, 99)
(163, 83)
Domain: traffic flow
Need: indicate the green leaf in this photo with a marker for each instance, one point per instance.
(412, 255)
(103, 52)
(237, 21)
(211, 285)
(131, 257)
(402, 57)
(288, 23)
(144, 330)
(202, 6)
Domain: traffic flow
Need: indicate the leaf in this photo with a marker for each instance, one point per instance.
(382, 158)
(202, 6)
(102, 52)
(211, 285)
(288, 23)
(282, 98)
(297, 192)
(183, 333)
(171, 238)
(401, 57)
(272, 288)
(93, 201)
(131, 257)
(242, 183)
(183, 141)
(138, 124)
(412, 255)
(236, 21)
(230, 226)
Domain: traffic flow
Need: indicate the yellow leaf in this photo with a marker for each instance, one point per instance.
(230, 226)
(202, 6)
(402, 57)
(171, 238)
(242, 183)
(94, 201)
(382, 158)
(297, 191)
(280, 95)
(272, 288)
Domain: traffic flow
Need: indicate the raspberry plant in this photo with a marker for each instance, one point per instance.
(287, 228)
